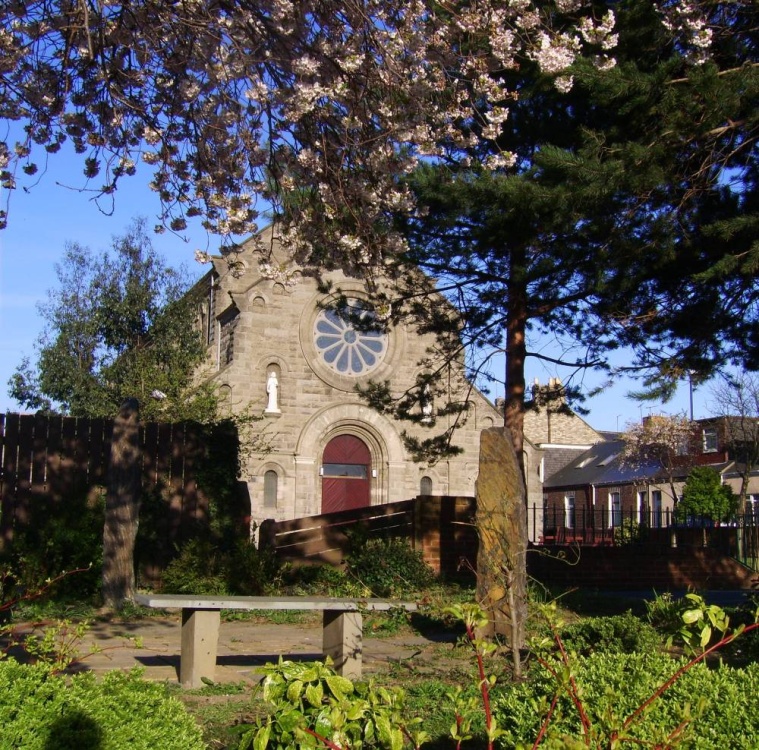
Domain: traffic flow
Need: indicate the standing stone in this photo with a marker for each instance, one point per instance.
(502, 529)
(122, 506)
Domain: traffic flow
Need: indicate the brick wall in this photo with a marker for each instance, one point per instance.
(630, 568)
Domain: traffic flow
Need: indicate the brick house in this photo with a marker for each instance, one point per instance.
(595, 491)
(276, 348)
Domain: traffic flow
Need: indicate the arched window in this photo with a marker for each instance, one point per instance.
(425, 486)
(270, 489)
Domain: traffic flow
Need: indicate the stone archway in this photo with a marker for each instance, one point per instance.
(346, 473)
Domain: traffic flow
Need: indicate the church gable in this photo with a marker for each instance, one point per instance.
(282, 351)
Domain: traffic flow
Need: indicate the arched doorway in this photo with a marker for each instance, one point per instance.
(346, 474)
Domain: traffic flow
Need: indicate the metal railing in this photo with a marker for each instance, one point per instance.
(737, 537)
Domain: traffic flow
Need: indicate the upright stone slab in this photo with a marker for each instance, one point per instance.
(502, 528)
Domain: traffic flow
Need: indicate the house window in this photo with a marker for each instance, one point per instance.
(656, 509)
(270, 489)
(752, 509)
(641, 496)
(709, 439)
(615, 509)
(569, 511)
(425, 486)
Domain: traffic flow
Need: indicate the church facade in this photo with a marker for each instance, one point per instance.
(278, 351)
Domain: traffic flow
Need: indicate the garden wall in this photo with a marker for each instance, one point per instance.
(441, 528)
(638, 567)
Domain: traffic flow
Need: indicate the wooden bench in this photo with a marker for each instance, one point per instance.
(341, 620)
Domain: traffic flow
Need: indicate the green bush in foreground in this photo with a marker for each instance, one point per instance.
(40, 710)
(723, 703)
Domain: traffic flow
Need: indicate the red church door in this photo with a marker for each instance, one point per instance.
(346, 474)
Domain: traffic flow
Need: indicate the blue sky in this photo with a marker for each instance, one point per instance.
(47, 216)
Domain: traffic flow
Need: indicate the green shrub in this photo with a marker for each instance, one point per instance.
(723, 702)
(252, 572)
(39, 710)
(615, 634)
(202, 568)
(198, 569)
(319, 580)
(389, 567)
(665, 613)
(309, 698)
(62, 536)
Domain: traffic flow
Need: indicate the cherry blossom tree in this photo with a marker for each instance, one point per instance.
(233, 102)
(662, 442)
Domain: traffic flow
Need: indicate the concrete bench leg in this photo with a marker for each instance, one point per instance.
(342, 641)
(200, 639)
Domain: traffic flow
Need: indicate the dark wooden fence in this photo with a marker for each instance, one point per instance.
(53, 459)
(441, 528)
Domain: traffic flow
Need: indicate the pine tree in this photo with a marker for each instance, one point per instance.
(629, 219)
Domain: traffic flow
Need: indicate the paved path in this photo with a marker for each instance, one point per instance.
(154, 643)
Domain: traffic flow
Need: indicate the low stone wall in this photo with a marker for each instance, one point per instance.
(637, 567)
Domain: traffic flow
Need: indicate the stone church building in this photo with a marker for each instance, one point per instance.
(277, 349)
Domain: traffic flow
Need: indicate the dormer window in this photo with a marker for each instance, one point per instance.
(709, 439)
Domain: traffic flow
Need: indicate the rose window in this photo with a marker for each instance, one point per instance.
(347, 343)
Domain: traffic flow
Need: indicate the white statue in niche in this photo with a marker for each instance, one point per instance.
(272, 389)
(427, 406)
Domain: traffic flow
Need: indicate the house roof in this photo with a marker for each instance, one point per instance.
(601, 465)
(597, 465)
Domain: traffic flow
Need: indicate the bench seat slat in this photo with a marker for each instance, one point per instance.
(315, 603)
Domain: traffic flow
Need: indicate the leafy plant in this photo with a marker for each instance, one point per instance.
(473, 618)
(65, 537)
(251, 571)
(57, 646)
(388, 567)
(665, 613)
(199, 569)
(314, 707)
(702, 709)
(629, 531)
(203, 568)
(322, 580)
(616, 634)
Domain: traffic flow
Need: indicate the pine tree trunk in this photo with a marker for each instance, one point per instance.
(122, 507)
(516, 354)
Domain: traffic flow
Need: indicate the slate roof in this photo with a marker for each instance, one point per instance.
(601, 465)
